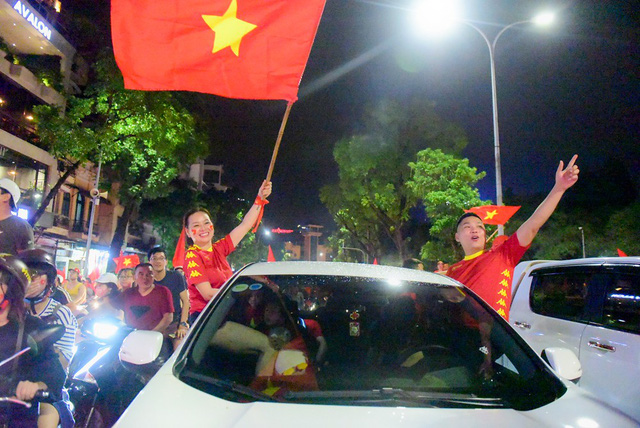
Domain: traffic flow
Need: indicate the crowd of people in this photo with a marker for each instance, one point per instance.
(152, 297)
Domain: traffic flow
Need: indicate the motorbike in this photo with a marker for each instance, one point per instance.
(15, 412)
(96, 380)
(100, 385)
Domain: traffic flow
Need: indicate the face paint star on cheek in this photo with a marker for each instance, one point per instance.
(194, 231)
(210, 227)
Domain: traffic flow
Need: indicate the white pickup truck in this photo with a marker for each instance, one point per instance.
(592, 307)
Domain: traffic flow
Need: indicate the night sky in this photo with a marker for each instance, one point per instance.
(572, 88)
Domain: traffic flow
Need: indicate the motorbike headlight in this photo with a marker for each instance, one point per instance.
(104, 330)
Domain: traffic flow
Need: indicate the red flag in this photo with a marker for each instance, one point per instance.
(270, 256)
(494, 214)
(251, 49)
(178, 254)
(129, 261)
(621, 253)
(95, 274)
(375, 261)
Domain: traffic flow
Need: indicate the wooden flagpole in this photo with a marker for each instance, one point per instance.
(278, 140)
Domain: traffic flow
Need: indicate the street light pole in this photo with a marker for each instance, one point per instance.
(494, 101)
(584, 253)
(365, 258)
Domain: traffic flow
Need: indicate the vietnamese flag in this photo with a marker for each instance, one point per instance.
(494, 214)
(251, 49)
(621, 253)
(179, 253)
(130, 261)
(270, 256)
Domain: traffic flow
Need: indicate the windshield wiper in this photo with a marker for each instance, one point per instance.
(399, 396)
(230, 386)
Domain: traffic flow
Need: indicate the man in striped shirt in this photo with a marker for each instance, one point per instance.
(40, 304)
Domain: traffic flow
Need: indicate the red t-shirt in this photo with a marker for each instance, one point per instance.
(490, 273)
(144, 312)
(207, 265)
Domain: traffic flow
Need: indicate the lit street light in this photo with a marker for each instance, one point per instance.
(436, 16)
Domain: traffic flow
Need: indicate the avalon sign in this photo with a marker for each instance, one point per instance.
(38, 24)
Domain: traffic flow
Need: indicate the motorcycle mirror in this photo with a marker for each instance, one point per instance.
(44, 337)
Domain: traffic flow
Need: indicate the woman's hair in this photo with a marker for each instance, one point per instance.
(185, 219)
(14, 294)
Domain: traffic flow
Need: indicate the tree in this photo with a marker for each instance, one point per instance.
(446, 185)
(371, 202)
(144, 139)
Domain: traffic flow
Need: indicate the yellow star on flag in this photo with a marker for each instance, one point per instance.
(228, 28)
(507, 273)
(126, 262)
(491, 214)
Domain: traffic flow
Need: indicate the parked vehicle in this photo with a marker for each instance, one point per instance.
(403, 348)
(591, 306)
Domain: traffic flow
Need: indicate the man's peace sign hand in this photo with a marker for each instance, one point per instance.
(567, 177)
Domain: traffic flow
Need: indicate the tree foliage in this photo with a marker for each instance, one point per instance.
(144, 139)
(371, 201)
(446, 186)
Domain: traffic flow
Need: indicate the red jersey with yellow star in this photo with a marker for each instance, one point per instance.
(490, 273)
(207, 266)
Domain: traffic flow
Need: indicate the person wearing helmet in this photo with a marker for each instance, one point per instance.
(40, 304)
(31, 372)
(15, 233)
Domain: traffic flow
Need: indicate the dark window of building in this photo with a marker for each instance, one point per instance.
(66, 204)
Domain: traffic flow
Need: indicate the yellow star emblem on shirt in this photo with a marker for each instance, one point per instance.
(490, 214)
(228, 28)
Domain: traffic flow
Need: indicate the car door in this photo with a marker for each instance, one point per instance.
(559, 308)
(610, 346)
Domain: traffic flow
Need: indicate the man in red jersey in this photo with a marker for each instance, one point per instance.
(489, 273)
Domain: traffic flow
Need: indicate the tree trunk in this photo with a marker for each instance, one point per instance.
(118, 234)
(52, 193)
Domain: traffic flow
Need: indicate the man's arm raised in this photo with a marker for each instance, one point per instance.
(565, 178)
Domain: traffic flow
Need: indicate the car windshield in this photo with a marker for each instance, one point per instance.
(361, 341)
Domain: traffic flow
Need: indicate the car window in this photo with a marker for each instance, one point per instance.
(342, 340)
(622, 303)
(562, 294)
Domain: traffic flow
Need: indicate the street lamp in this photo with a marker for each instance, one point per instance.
(432, 13)
(584, 253)
(365, 258)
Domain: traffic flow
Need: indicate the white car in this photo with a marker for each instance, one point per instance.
(311, 344)
(592, 307)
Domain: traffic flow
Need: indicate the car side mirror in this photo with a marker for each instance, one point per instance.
(141, 347)
(564, 362)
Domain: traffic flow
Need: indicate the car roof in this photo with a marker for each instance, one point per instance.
(345, 269)
(589, 261)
